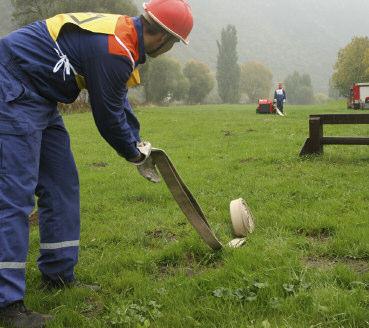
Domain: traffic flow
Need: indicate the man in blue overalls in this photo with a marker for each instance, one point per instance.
(280, 97)
(49, 62)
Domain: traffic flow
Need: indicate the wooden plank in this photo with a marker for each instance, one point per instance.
(343, 118)
(345, 141)
(315, 134)
(314, 144)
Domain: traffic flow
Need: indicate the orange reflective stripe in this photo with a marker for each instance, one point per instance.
(114, 26)
(126, 32)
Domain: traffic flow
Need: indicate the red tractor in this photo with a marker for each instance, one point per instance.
(266, 106)
(359, 96)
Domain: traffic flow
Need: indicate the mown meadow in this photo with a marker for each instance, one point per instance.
(306, 264)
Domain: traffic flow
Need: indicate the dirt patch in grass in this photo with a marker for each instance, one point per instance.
(139, 199)
(317, 234)
(190, 264)
(227, 133)
(358, 265)
(319, 263)
(99, 164)
(161, 234)
(92, 307)
(143, 198)
(247, 160)
(33, 219)
(326, 263)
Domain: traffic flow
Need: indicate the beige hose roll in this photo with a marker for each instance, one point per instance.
(241, 217)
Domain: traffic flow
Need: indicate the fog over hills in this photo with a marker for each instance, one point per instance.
(286, 35)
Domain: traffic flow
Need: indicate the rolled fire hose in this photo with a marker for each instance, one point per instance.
(242, 220)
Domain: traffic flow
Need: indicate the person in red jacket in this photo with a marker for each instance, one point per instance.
(45, 63)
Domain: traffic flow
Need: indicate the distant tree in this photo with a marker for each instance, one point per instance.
(256, 80)
(200, 79)
(321, 98)
(228, 70)
(27, 11)
(299, 89)
(352, 65)
(333, 92)
(163, 81)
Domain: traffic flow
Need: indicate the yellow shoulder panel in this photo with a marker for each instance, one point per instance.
(93, 22)
(134, 80)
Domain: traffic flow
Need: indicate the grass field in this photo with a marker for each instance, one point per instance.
(306, 265)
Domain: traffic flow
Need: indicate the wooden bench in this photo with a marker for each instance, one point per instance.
(314, 144)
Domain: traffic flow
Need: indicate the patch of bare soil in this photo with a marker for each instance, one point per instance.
(99, 164)
(92, 307)
(317, 234)
(161, 234)
(33, 219)
(319, 263)
(191, 265)
(227, 133)
(247, 160)
(358, 265)
(325, 263)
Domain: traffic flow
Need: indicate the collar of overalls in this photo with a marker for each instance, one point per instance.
(141, 47)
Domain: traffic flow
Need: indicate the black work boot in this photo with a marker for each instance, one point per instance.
(16, 315)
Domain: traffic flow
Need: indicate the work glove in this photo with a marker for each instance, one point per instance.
(148, 170)
(146, 167)
(284, 101)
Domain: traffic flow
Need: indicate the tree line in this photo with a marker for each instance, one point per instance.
(191, 84)
(352, 66)
(253, 79)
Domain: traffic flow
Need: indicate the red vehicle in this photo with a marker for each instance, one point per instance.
(359, 96)
(265, 106)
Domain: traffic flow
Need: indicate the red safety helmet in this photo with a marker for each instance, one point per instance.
(175, 16)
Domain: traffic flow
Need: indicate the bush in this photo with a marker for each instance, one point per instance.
(164, 82)
(299, 89)
(200, 79)
(256, 81)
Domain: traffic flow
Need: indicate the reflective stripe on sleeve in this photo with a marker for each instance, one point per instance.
(63, 244)
(12, 265)
(127, 50)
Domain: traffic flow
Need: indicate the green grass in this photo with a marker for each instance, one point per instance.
(306, 265)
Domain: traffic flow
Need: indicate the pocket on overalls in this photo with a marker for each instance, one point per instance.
(14, 147)
(10, 88)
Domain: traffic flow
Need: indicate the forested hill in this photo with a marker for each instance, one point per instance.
(286, 35)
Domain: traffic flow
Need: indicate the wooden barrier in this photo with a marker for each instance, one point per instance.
(314, 144)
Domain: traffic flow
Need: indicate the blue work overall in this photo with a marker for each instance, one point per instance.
(35, 158)
(37, 71)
